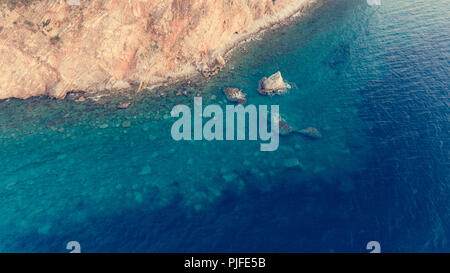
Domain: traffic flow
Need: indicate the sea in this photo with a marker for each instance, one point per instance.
(373, 79)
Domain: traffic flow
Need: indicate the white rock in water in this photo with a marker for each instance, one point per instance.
(272, 85)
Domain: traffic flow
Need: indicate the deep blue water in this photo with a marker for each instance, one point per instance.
(373, 79)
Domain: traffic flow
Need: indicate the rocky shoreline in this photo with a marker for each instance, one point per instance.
(58, 66)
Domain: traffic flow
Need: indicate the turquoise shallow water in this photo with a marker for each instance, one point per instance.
(373, 79)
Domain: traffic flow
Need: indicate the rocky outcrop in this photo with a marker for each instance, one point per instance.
(214, 68)
(311, 132)
(272, 85)
(49, 47)
(284, 128)
(235, 95)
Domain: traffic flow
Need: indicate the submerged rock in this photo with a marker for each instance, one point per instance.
(124, 105)
(126, 124)
(272, 85)
(145, 170)
(235, 95)
(292, 163)
(311, 132)
(284, 128)
(138, 197)
(44, 229)
(229, 177)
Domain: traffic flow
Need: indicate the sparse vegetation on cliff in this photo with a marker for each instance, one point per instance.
(29, 23)
(55, 39)
(46, 23)
(16, 3)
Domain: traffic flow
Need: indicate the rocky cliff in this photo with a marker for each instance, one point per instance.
(51, 47)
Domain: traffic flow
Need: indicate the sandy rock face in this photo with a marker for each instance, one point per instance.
(50, 47)
(26, 76)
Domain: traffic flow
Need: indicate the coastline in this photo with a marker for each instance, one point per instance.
(53, 82)
(372, 79)
(191, 74)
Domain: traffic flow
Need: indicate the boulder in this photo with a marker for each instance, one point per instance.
(220, 61)
(311, 132)
(235, 95)
(124, 105)
(272, 85)
(120, 85)
(214, 67)
(284, 128)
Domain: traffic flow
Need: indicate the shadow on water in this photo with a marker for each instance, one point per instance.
(292, 217)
